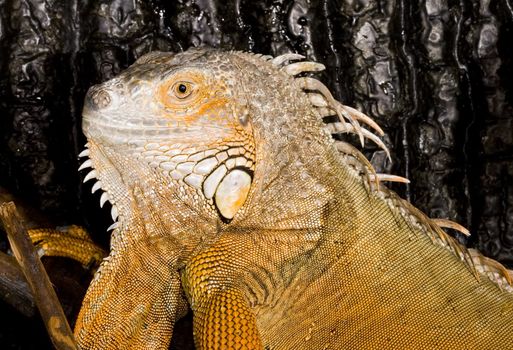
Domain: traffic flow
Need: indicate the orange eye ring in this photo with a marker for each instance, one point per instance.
(181, 91)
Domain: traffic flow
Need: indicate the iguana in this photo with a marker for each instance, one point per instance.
(231, 197)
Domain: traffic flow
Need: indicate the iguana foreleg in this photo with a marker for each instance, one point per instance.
(223, 318)
(145, 278)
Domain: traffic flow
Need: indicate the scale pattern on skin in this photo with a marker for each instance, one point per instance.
(231, 197)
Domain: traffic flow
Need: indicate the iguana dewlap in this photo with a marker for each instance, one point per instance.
(230, 196)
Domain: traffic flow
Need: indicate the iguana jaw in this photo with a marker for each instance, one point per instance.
(213, 178)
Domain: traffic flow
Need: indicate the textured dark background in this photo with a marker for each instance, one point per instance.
(436, 74)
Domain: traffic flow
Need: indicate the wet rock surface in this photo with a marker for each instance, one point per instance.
(437, 75)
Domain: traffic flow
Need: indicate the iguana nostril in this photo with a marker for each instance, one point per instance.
(101, 98)
(98, 98)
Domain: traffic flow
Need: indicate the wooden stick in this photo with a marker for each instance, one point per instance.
(46, 299)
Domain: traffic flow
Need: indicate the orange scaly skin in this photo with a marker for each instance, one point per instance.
(231, 197)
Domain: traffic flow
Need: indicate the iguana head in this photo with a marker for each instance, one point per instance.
(210, 129)
(183, 124)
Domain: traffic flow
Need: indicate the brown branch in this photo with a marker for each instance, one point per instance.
(14, 289)
(46, 299)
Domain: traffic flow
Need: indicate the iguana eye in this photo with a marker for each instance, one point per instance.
(182, 89)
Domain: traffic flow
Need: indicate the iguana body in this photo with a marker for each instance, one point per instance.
(231, 197)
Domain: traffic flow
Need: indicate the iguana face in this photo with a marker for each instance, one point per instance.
(176, 116)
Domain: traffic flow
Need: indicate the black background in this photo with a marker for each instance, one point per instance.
(436, 74)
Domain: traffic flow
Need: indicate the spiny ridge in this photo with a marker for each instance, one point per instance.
(349, 122)
(98, 185)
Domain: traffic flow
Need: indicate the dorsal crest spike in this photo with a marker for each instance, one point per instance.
(279, 60)
(392, 178)
(350, 150)
(307, 83)
(303, 67)
(452, 225)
